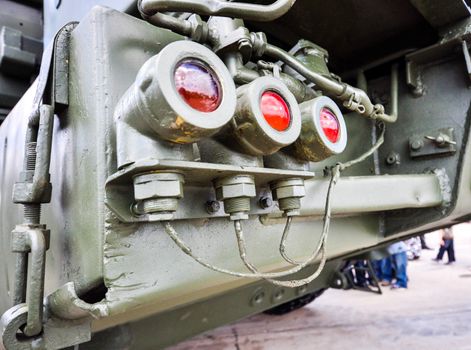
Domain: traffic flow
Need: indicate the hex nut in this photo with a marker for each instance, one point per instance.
(234, 187)
(212, 207)
(158, 185)
(289, 192)
(235, 191)
(265, 202)
(416, 144)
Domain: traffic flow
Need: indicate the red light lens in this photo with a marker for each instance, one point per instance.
(330, 125)
(275, 111)
(198, 86)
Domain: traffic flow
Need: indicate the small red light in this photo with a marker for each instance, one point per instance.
(330, 124)
(198, 86)
(275, 111)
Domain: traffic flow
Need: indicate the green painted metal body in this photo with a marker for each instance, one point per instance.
(143, 291)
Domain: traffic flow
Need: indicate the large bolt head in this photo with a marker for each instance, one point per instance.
(288, 188)
(235, 191)
(289, 192)
(158, 185)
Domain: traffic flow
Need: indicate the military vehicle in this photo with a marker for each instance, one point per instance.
(170, 166)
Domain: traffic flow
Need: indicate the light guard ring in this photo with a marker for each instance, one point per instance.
(313, 144)
(168, 114)
(261, 138)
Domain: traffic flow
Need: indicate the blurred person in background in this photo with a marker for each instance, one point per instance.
(423, 243)
(446, 245)
(396, 263)
(415, 248)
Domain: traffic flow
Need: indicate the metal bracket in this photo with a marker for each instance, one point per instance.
(450, 45)
(15, 60)
(434, 143)
(119, 186)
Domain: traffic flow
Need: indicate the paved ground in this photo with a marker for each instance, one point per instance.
(434, 313)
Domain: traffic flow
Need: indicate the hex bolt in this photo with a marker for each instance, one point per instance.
(235, 191)
(212, 207)
(245, 47)
(157, 194)
(265, 202)
(289, 192)
(416, 144)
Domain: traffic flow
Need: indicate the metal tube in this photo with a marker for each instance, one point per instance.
(177, 25)
(394, 98)
(239, 72)
(348, 94)
(324, 83)
(263, 13)
(243, 75)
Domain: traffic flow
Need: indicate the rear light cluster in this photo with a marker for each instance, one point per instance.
(185, 93)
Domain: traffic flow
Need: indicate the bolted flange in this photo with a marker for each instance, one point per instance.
(288, 193)
(235, 192)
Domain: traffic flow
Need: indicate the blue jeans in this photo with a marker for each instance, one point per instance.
(378, 267)
(449, 248)
(399, 263)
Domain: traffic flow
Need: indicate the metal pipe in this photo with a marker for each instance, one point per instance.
(177, 25)
(252, 12)
(243, 75)
(354, 99)
(383, 60)
(394, 99)
(239, 72)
